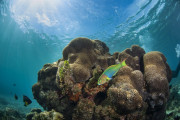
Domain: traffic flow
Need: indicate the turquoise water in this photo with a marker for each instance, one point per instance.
(34, 33)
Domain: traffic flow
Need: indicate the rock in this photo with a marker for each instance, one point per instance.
(69, 86)
(79, 45)
(156, 76)
(125, 93)
(30, 115)
(45, 91)
(80, 72)
(133, 57)
(84, 110)
(83, 54)
(105, 113)
(93, 80)
(36, 110)
(46, 115)
(11, 114)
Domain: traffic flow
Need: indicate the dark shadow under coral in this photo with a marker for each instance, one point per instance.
(101, 96)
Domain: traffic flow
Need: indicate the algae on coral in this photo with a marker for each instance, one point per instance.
(70, 86)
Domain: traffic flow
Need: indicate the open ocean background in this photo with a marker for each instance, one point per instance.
(33, 33)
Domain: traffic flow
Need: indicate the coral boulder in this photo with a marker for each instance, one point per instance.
(139, 91)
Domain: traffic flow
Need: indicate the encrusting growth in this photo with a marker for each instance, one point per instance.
(138, 91)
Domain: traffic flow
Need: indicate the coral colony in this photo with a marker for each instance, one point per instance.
(69, 87)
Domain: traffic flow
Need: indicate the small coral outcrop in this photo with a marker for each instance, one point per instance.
(123, 93)
(157, 76)
(11, 114)
(139, 91)
(46, 115)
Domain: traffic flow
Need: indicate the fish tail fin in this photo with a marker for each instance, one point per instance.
(123, 63)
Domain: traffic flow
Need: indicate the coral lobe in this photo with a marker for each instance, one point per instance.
(138, 91)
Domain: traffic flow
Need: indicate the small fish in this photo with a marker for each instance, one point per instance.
(15, 97)
(110, 72)
(14, 84)
(26, 100)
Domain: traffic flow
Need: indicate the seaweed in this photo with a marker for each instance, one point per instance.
(63, 71)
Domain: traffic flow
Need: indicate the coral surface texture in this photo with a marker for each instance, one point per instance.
(68, 89)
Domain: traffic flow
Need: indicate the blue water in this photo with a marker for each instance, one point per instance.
(34, 33)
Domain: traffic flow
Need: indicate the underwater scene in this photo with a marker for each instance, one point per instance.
(89, 59)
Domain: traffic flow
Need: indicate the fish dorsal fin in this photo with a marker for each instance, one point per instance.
(112, 66)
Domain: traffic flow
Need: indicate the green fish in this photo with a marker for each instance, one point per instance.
(110, 72)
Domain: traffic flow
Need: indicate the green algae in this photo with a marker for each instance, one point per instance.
(63, 71)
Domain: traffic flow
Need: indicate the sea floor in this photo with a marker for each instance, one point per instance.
(14, 109)
(173, 104)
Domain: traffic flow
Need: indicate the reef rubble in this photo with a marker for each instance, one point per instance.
(37, 114)
(11, 114)
(139, 91)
